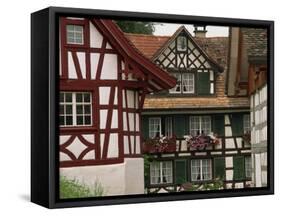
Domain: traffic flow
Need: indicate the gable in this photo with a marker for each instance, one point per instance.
(191, 56)
(181, 51)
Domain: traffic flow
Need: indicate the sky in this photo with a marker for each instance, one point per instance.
(169, 29)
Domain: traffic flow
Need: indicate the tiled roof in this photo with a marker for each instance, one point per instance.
(255, 41)
(147, 44)
(195, 103)
(215, 47)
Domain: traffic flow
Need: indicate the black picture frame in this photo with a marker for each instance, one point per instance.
(44, 103)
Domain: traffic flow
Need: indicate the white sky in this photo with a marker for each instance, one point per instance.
(169, 29)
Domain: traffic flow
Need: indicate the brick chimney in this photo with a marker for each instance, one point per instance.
(200, 31)
(220, 86)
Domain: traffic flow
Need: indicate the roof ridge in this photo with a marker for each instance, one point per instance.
(146, 35)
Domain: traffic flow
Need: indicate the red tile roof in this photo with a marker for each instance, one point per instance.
(147, 44)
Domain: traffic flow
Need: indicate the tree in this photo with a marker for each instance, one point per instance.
(136, 27)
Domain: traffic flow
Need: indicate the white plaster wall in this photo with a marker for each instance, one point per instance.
(103, 118)
(82, 63)
(109, 67)
(257, 170)
(111, 177)
(71, 68)
(228, 131)
(229, 143)
(226, 120)
(104, 93)
(113, 149)
(94, 64)
(95, 37)
(134, 175)
(229, 162)
(116, 179)
(114, 122)
(229, 175)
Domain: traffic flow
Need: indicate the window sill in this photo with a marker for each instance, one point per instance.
(77, 129)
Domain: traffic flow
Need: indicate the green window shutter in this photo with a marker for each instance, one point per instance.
(239, 168)
(203, 83)
(145, 127)
(179, 125)
(218, 124)
(219, 168)
(180, 171)
(237, 124)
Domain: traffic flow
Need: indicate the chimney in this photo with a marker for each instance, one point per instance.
(200, 31)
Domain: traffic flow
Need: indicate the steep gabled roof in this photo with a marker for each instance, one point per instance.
(117, 38)
(213, 48)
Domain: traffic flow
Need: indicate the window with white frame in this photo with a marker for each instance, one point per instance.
(74, 34)
(200, 125)
(248, 167)
(201, 170)
(246, 123)
(169, 126)
(161, 172)
(181, 43)
(188, 83)
(75, 109)
(185, 83)
(154, 127)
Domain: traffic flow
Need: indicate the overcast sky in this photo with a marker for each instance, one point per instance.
(169, 29)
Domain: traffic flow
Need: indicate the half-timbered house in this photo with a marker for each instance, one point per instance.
(103, 83)
(248, 54)
(194, 133)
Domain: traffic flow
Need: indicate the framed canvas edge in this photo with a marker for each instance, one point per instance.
(127, 199)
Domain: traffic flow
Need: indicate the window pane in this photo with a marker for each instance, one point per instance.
(87, 120)
(87, 109)
(87, 97)
(182, 45)
(79, 97)
(69, 120)
(68, 109)
(61, 120)
(79, 120)
(79, 109)
(68, 97)
(70, 27)
(61, 109)
(61, 97)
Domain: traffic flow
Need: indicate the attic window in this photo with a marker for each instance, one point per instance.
(74, 34)
(181, 43)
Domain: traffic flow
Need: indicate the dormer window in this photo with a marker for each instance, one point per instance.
(74, 34)
(185, 83)
(181, 43)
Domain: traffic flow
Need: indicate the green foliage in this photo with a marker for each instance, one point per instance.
(147, 159)
(71, 188)
(136, 27)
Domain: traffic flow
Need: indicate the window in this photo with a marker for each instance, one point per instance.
(154, 127)
(161, 172)
(185, 83)
(75, 109)
(74, 34)
(248, 167)
(200, 125)
(188, 83)
(246, 124)
(181, 43)
(169, 126)
(201, 170)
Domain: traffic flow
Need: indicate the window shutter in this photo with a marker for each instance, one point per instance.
(237, 124)
(218, 124)
(203, 83)
(239, 168)
(179, 125)
(219, 165)
(145, 127)
(180, 171)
